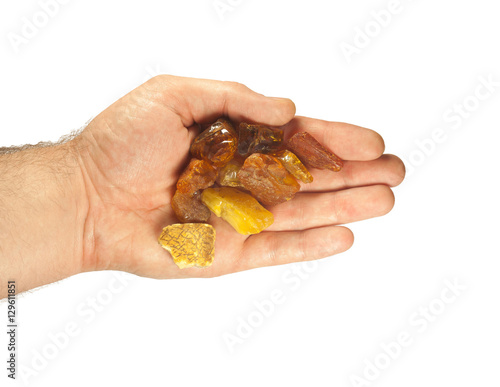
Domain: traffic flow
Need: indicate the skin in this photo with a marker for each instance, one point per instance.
(100, 201)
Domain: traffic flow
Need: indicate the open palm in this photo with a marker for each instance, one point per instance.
(133, 152)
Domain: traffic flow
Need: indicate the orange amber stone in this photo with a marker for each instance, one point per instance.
(189, 209)
(267, 179)
(293, 165)
(258, 139)
(228, 174)
(239, 209)
(216, 144)
(311, 152)
(199, 174)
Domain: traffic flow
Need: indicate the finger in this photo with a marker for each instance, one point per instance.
(277, 248)
(193, 131)
(349, 142)
(308, 210)
(204, 100)
(387, 169)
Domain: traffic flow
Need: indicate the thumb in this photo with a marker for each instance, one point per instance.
(204, 100)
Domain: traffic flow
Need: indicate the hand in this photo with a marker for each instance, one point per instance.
(132, 154)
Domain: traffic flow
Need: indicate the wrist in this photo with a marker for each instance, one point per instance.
(43, 209)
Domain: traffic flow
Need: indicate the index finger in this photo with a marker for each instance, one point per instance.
(349, 142)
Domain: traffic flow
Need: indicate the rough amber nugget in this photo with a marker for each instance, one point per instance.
(258, 139)
(189, 209)
(228, 174)
(239, 209)
(267, 179)
(312, 153)
(199, 174)
(216, 144)
(190, 244)
(293, 165)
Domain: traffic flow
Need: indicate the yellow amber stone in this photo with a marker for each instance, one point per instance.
(239, 209)
(293, 165)
(228, 174)
(190, 244)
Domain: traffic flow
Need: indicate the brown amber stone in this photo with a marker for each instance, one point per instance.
(267, 179)
(239, 209)
(228, 174)
(216, 144)
(311, 152)
(258, 139)
(199, 174)
(189, 209)
(190, 244)
(293, 165)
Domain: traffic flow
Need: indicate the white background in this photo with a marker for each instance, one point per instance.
(426, 59)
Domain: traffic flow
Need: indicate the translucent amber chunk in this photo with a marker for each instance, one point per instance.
(239, 209)
(190, 244)
(199, 174)
(294, 165)
(312, 153)
(216, 144)
(228, 174)
(267, 179)
(189, 209)
(258, 139)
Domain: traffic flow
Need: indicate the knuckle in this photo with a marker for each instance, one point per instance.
(235, 86)
(299, 212)
(347, 175)
(338, 208)
(160, 80)
(302, 247)
(272, 252)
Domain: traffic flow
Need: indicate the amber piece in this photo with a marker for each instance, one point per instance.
(189, 209)
(294, 165)
(258, 139)
(199, 174)
(239, 209)
(312, 153)
(190, 244)
(228, 174)
(267, 179)
(216, 144)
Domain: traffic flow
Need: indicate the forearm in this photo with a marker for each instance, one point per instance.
(42, 216)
